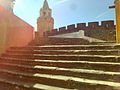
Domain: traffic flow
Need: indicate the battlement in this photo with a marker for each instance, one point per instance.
(89, 28)
(104, 25)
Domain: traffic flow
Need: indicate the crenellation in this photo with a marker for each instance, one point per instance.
(71, 27)
(100, 30)
(81, 26)
(54, 31)
(108, 24)
(93, 25)
(62, 29)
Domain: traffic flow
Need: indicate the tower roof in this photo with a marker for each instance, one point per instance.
(45, 6)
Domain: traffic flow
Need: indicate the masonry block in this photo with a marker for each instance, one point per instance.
(81, 26)
(54, 31)
(62, 29)
(71, 27)
(47, 33)
(93, 25)
(36, 34)
(108, 24)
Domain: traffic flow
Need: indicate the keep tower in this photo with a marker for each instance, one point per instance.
(45, 22)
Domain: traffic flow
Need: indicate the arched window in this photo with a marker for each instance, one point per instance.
(44, 13)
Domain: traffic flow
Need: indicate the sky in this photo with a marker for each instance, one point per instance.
(66, 12)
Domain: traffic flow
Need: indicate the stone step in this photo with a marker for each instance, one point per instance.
(34, 83)
(41, 81)
(9, 86)
(68, 47)
(105, 43)
(103, 62)
(65, 52)
(105, 66)
(63, 57)
(66, 41)
(89, 73)
(62, 64)
(68, 82)
(12, 84)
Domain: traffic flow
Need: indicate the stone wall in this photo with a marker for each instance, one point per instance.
(104, 30)
(13, 30)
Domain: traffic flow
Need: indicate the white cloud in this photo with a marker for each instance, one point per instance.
(60, 2)
(102, 14)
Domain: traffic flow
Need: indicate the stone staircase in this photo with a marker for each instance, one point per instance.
(59, 41)
(56, 65)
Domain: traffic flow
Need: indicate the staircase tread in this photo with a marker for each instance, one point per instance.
(102, 56)
(64, 61)
(66, 78)
(113, 45)
(90, 71)
(115, 50)
(52, 66)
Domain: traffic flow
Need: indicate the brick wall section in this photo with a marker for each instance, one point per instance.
(105, 31)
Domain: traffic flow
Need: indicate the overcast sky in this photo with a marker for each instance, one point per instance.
(66, 12)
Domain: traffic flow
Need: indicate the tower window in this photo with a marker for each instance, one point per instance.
(44, 13)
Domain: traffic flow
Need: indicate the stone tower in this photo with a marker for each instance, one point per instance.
(8, 4)
(45, 22)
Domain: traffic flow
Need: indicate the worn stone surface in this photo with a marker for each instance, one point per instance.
(64, 66)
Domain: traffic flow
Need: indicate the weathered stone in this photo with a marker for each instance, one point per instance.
(45, 22)
(82, 33)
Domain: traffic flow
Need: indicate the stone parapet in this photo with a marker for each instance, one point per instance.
(92, 29)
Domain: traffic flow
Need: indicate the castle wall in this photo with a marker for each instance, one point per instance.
(104, 30)
(13, 30)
